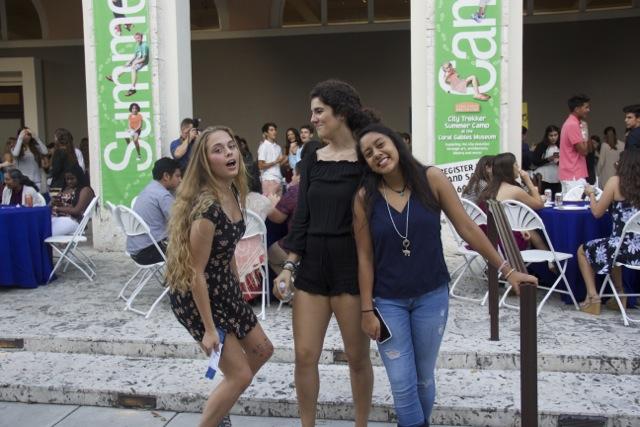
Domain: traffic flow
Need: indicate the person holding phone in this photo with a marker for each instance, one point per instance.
(181, 148)
(546, 157)
(401, 268)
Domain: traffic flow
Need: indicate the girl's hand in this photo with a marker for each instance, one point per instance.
(370, 325)
(284, 276)
(516, 278)
(211, 341)
(274, 199)
(589, 190)
(524, 176)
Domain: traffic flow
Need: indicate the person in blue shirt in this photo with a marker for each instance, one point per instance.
(401, 266)
(153, 205)
(181, 147)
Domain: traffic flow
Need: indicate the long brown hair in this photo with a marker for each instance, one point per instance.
(501, 171)
(32, 146)
(480, 173)
(194, 196)
(628, 172)
(63, 138)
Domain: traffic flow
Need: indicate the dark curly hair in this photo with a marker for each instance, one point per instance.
(413, 172)
(629, 172)
(344, 101)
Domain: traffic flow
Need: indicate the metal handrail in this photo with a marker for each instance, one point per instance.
(498, 227)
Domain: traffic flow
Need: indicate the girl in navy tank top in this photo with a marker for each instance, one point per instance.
(401, 267)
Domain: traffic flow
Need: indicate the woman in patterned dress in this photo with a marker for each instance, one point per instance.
(206, 223)
(621, 196)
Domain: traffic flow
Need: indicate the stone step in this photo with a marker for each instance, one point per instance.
(570, 360)
(465, 397)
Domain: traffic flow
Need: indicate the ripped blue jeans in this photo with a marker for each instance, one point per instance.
(417, 326)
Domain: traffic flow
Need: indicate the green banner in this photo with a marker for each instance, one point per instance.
(124, 84)
(467, 98)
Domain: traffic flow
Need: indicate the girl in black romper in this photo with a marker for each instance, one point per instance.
(321, 240)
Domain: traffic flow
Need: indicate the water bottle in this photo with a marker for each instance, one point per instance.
(285, 291)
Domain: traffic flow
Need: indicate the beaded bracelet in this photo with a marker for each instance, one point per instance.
(509, 273)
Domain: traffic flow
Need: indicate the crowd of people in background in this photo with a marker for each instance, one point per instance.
(36, 174)
(570, 155)
(566, 158)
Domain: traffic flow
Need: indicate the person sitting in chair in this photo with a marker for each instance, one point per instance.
(283, 212)
(153, 205)
(69, 205)
(18, 187)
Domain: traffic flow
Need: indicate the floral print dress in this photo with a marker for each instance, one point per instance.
(230, 312)
(600, 252)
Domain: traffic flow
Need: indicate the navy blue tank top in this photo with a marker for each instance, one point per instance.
(399, 276)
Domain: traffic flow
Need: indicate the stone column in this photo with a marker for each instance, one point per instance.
(424, 77)
(169, 40)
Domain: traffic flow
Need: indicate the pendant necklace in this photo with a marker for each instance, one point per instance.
(406, 243)
(399, 192)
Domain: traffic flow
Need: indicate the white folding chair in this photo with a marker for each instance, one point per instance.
(115, 215)
(71, 254)
(577, 192)
(256, 259)
(631, 228)
(469, 255)
(134, 225)
(522, 218)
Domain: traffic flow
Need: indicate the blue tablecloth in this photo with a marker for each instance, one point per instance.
(568, 229)
(25, 259)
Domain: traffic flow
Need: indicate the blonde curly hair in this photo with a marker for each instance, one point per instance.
(194, 196)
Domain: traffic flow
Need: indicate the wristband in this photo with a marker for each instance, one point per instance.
(504, 263)
(289, 265)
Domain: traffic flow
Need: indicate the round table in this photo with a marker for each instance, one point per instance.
(25, 259)
(567, 230)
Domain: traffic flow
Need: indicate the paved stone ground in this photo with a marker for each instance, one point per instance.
(43, 415)
(72, 314)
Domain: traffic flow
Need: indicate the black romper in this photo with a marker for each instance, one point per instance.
(322, 228)
(229, 310)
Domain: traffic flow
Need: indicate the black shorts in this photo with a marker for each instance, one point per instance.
(329, 266)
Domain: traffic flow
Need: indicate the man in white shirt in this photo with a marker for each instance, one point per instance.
(270, 158)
